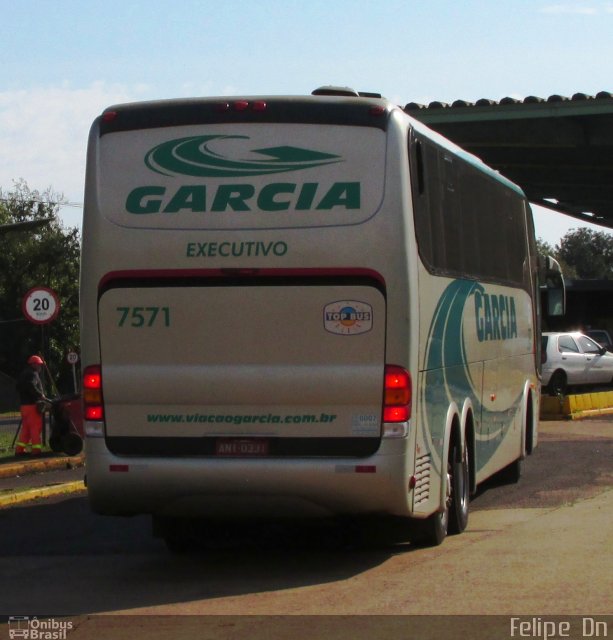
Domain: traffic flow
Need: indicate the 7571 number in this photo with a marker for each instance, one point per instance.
(139, 317)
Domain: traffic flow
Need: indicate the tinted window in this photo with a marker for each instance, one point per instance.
(566, 343)
(467, 223)
(588, 345)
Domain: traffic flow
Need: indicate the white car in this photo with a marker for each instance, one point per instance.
(571, 358)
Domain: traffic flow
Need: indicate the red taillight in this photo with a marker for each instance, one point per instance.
(397, 400)
(92, 393)
(242, 105)
(94, 413)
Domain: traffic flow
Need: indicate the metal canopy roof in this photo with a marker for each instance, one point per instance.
(559, 150)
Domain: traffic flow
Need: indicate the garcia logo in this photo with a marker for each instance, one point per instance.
(348, 317)
(496, 317)
(195, 157)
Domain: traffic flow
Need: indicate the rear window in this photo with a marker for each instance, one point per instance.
(241, 175)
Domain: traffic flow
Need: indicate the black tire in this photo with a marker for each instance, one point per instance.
(558, 383)
(55, 444)
(72, 444)
(453, 519)
(460, 489)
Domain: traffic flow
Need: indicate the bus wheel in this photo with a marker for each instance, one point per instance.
(433, 530)
(457, 501)
(453, 519)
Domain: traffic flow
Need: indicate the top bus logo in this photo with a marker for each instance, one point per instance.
(200, 156)
(348, 317)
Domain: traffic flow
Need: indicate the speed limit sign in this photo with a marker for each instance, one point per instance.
(40, 305)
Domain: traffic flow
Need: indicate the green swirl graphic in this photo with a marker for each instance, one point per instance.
(193, 156)
(447, 375)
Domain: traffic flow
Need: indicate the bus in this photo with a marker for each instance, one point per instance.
(301, 307)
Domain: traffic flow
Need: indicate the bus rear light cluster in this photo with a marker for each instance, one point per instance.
(398, 394)
(93, 408)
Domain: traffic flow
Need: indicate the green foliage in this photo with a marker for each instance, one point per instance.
(545, 249)
(46, 256)
(589, 253)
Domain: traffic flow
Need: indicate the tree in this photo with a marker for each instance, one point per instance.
(48, 256)
(589, 253)
(545, 249)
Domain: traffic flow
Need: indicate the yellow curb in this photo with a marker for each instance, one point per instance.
(41, 492)
(575, 407)
(9, 470)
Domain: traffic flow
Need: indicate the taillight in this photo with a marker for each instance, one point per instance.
(242, 105)
(93, 408)
(397, 399)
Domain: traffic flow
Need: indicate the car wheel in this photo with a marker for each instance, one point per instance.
(558, 383)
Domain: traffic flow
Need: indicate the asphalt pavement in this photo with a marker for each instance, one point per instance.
(23, 479)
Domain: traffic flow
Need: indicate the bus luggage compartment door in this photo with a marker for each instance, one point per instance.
(270, 370)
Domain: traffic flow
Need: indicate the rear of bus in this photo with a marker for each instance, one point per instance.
(244, 295)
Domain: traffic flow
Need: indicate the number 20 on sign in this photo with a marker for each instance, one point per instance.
(40, 305)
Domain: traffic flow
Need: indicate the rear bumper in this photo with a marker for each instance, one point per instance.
(250, 487)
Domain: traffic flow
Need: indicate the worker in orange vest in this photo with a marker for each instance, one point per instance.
(32, 402)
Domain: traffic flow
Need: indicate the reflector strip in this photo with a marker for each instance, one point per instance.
(120, 468)
(359, 468)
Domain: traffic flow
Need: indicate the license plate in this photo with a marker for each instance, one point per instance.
(232, 447)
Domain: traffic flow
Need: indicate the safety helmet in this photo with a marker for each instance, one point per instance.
(35, 360)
